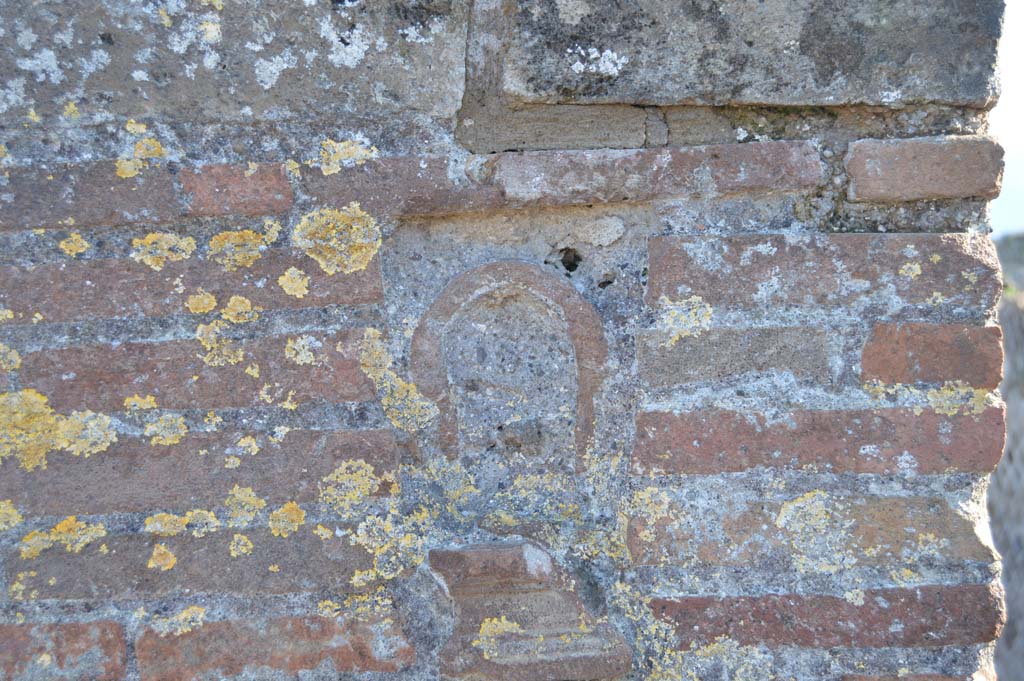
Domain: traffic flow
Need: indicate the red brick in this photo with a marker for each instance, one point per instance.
(949, 167)
(882, 532)
(90, 195)
(223, 189)
(204, 565)
(78, 290)
(722, 353)
(100, 377)
(825, 271)
(859, 441)
(88, 650)
(934, 353)
(562, 178)
(135, 476)
(402, 186)
(286, 644)
(924, 617)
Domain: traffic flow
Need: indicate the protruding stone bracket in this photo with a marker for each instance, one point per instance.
(518, 618)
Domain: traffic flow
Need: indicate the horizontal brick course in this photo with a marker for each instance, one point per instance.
(88, 195)
(947, 167)
(101, 377)
(934, 353)
(923, 617)
(563, 178)
(88, 650)
(754, 271)
(222, 189)
(78, 290)
(134, 476)
(825, 533)
(861, 441)
(204, 565)
(287, 645)
(717, 354)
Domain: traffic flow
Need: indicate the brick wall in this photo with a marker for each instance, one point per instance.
(497, 340)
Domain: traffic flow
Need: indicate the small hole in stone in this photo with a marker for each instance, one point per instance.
(570, 259)
(606, 281)
(106, 39)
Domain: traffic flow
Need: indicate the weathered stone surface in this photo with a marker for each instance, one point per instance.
(133, 475)
(864, 441)
(215, 190)
(175, 374)
(783, 53)
(927, 616)
(934, 353)
(286, 645)
(318, 62)
(517, 619)
(304, 563)
(926, 168)
(757, 271)
(716, 354)
(41, 652)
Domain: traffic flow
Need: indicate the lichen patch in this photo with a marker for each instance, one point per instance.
(157, 249)
(345, 154)
(339, 239)
(287, 519)
(403, 404)
(240, 310)
(294, 282)
(201, 302)
(162, 559)
(683, 318)
(166, 430)
(9, 515)
(185, 621)
(240, 546)
(74, 245)
(243, 505)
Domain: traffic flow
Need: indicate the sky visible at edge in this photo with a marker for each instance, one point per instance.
(1007, 123)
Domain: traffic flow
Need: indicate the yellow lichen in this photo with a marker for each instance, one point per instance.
(6, 315)
(396, 541)
(134, 127)
(243, 505)
(10, 360)
(162, 558)
(166, 430)
(71, 532)
(949, 399)
(274, 568)
(71, 110)
(165, 524)
(128, 167)
(403, 404)
(251, 169)
(240, 310)
(29, 429)
(74, 245)
(348, 486)
(300, 350)
(148, 148)
(137, 403)
(910, 270)
(182, 623)
(240, 546)
(234, 250)
(293, 168)
(165, 18)
(490, 629)
(684, 318)
(294, 282)
(219, 350)
(17, 589)
(248, 444)
(9, 515)
(372, 605)
(340, 240)
(817, 532)
(328, 608)
(348, 153)
(287, 519)
(253, 370)
(157, 249)
(279, 433)
(322, 532)
(201, 302)
(209, 31)
(232, 462)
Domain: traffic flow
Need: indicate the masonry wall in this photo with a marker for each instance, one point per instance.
(498, 340)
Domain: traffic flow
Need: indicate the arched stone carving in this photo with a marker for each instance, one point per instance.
(581, 321)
